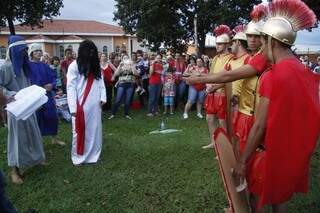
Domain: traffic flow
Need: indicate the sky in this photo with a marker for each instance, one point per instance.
(102, 10)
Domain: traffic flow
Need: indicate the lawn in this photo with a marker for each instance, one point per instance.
(138, 172)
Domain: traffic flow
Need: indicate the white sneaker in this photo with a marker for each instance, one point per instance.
(138, 89)
(128, 117)
(185, 116)
(200, 115)
(209, 146)
(111, 117)
(142, 92)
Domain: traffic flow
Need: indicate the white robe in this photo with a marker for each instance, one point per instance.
(76, 84)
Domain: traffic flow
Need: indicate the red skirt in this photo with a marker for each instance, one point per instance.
(242, 126)
(216, 104)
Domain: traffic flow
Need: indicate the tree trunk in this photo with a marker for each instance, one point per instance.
(202, 43)
(11, 26)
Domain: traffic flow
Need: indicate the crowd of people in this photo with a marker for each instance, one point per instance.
(154, 79)
(315, 67)
(255, 89)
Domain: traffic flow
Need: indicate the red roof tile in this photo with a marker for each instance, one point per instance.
(69, 37)
(37, 37)
(70, 26)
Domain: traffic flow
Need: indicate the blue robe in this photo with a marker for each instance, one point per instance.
(42, 74)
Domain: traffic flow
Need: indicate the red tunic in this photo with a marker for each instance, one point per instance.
(293, 127)
(107, 75)
(64, 69)
(155, 77)
(259, 62)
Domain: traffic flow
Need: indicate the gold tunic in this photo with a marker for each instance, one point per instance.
(218, 64)
(248, 98)
(235, 63)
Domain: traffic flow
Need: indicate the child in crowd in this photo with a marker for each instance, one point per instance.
(56, 67)
(168, 91)
(142, 71)
(62, 106)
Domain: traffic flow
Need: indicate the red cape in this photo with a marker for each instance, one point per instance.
(293, 127)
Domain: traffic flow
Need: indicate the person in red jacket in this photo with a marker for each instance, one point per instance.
(156, 70)
(108, 70)
(64, 67)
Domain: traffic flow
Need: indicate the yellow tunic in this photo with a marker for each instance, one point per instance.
(235, 63)
(248, 97)
(218, 64)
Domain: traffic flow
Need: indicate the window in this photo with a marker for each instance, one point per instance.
(117, 49)
(61, 51)
(70, 47)
(3, 52)
(105, 50)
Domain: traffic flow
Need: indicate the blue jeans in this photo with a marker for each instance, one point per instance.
(181, 90)
(195, 95)
(168, 101)
(124, 91)
(154, 95)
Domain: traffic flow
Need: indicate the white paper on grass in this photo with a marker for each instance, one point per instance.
(166, 131)
(27, 101)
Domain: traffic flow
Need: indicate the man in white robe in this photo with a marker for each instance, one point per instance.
(77, 79)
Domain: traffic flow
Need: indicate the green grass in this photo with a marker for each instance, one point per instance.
(137, 172)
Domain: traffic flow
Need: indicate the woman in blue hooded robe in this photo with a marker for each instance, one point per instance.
(42, 75)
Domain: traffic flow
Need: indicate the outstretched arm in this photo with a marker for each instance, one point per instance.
(223, 76)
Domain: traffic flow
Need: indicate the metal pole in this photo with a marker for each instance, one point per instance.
(195, 23)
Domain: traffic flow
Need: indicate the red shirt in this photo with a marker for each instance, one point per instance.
(259, 62)
(155, 77)
(199, 86)
(64, 69)
(171, 63)
(107, 75)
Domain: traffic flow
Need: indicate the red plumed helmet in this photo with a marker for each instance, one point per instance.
(239, 28)
(222, 29)
(259, 12)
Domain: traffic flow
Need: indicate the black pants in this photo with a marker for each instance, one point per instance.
(5, 204)
(144, 97)
(109, 91)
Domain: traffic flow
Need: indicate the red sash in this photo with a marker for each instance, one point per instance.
(80, 121)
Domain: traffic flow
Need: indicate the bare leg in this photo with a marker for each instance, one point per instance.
(223, 123)
(212, 128)
(199, 107)
(280, 208)
(171, 109)
(56, 141)
(15, 176)
(165, 109)
(253, 204)
(187, 107)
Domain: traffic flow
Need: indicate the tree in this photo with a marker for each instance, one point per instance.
(315, 6)
(154, 20)
(171, 22)
(28, 12)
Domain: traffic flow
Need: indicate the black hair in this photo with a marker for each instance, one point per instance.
(67, 50)
(55, 58)
(88, 59)
(284, 46)
(139, 52)
(200, 59)
(244, 43)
